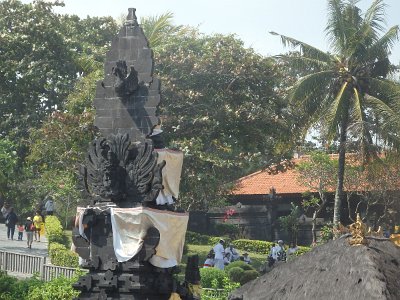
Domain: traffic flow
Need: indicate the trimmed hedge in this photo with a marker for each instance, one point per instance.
(195, 238)
(240, 264)
(59, 288)
(247, 276)
(208, 275)
(235, 274)
(61, 256)
(261, 247)
(54, 230)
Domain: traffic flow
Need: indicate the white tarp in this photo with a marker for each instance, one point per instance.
(130, 225)
(171, 175)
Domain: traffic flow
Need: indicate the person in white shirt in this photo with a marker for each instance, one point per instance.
(291, 252)
(234, 255)
(219, 255)
(278, 252)
(246, 258)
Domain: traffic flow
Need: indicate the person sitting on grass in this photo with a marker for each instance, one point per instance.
(209, 263)
(246, 258)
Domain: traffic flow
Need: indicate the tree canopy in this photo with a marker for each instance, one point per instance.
(221, 106)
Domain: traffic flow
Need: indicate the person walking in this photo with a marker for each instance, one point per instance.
(11, 221)
(49, 207)
(20, 231)
(219, 255)
(29, 229)
(37, 221)
(5, 210)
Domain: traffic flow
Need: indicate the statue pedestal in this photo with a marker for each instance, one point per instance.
(140, 232)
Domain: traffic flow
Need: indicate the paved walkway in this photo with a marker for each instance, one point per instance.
(38, 248)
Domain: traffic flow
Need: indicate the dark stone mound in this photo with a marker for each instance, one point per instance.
(334, 270)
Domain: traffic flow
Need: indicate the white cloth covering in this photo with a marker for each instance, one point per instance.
(171, 175)
(130, 225)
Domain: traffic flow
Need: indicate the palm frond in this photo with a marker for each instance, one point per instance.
(374, 17)
(308, 90)
(382, 46)
(385, 90)
(335, 27)
(334, 112)
(388, 115)
(305, 49)
(158, 28)
(303, 63)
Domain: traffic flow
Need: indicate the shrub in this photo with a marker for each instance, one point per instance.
(301, 250)
(326, 232)
(14, 289)
(248, 276)
(214, 294)
(260, 247)
(241, 272)
(208, 275)
(195, 238)
(213, 240)
(60, 256)
(225, 229)
(235, 274)
(59, 288)
(240, 264)
(54, 230)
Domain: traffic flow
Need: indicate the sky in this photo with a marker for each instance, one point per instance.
(250, 20)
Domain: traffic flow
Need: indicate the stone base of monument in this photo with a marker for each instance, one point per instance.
(133, 279)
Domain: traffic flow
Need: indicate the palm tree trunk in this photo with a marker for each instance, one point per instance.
(340, 178)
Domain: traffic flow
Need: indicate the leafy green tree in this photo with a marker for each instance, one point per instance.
(290, 223)
(370, 189)
(36, 63)
(221, 107)
(8, 163)
(346, 89)
(59, 145)
(318, 175)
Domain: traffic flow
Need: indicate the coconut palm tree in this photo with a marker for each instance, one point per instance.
(159, 28)
(346, 88)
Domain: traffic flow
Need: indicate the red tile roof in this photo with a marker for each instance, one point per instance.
(259, 183)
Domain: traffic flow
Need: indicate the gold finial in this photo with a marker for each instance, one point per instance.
(358, 231)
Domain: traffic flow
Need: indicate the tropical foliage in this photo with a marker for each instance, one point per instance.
(346, 90)
(222, 108)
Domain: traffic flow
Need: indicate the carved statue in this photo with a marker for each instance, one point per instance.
(125, 84)
(120, 172)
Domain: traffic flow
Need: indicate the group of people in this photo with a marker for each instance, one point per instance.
(220, 256)
(32, 226)
(278, 253)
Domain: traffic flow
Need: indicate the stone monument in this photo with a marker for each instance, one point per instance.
(130, 238)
